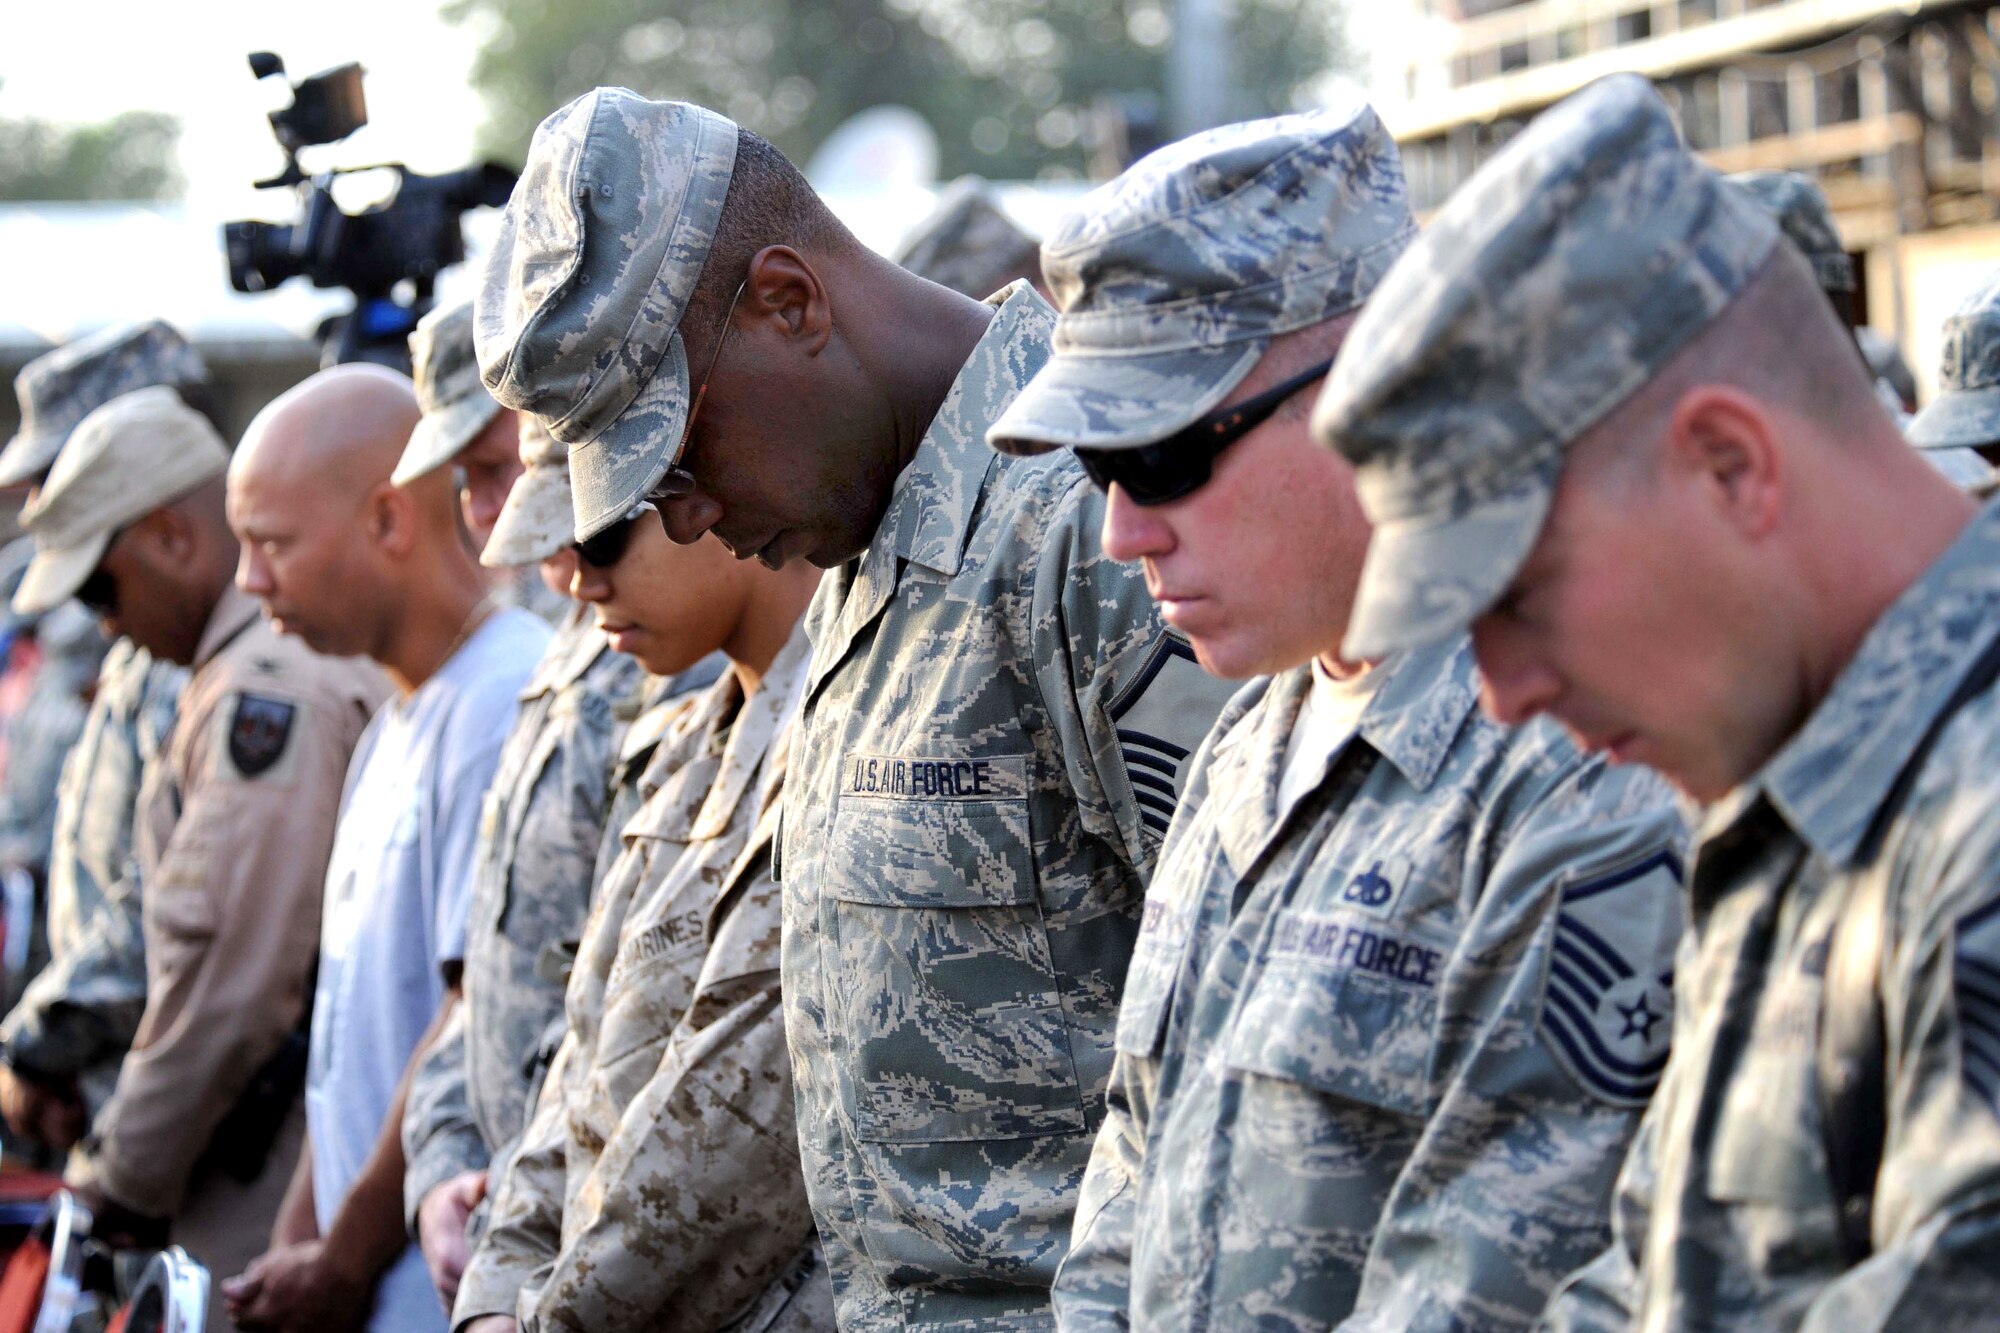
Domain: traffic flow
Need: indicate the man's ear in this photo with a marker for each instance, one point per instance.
(783, 289)
(389, 516)
(1727, 441)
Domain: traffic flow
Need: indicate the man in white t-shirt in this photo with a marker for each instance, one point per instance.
(1351, 1088)
(355, 565)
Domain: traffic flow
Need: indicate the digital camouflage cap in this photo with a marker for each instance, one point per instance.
(1563, 276)
(137, 452)
(969, 244)
(456, 406)
(59, 389)
(580, 300)
(1173, 278)
(1799, 206)
(1966, 412)
(538, 518)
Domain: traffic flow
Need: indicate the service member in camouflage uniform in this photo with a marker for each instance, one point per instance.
(969, 244)
(1405, 978)
(658, 1186)
(994, 719)
(235, 824)
(1600, 414)
(1966, 412)
(61, 1044)
(539, 832)
(463, 428)
(1805, 219)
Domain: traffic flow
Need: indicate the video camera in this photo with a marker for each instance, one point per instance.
(389, 256)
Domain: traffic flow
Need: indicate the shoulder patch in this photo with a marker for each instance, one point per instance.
(1161, 718)
(260, 731)
(1976, 987)
(1608, 1007)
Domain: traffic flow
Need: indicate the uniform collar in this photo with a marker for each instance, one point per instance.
(931, 509)
(233, 613)
(1831, 780)
(575, 649)
(1420, 706)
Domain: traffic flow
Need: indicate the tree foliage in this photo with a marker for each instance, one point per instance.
(1009, 85)
(131, 156)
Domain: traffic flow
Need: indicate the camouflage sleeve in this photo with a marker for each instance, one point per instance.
(440, 1140)
(1093, 1287)
(697, 1203)
(84, 1007)
(1602, 1296)
(1936, 1222)
(524, 1201)
(1124, 693)
(1509, 1188)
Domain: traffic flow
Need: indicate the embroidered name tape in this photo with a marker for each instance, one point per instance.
(899, 777)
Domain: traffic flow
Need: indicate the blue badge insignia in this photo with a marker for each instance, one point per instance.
(1608, 1010)
(258, 732)
(1161, 717)
(1976, 986)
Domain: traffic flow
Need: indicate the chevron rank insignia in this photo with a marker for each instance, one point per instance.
(1161, 717)
(1976, 985)
(1607, 1013)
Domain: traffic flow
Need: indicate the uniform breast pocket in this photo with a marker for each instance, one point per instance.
(1344, 1005)
(954, 1021)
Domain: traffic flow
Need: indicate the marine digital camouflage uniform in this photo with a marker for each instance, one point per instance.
(539, 833)
(1726, 1215)
(658, 1184)
(987, 758)
(1381, 1053)
(79, 1014)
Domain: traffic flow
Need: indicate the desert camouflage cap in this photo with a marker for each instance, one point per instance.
(61, 388)
(1173, 278)
(969, 244)
(123, 461)
(1571, 267)
(1966, 412)
(455, 403)
(581, 298)
(1804, 219)
(538, 518)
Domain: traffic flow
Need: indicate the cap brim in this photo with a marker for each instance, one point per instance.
(440, 435)
(622, 465)
(537, 521)
(1427, 578)
(1964, 419)
(53, 576)
(27, 456)
(1119, 402)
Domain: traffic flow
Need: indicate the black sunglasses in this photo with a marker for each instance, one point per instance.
(98, 593)
(607, 548)
(1181, 464)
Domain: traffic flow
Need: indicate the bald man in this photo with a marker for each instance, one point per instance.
(352, 564)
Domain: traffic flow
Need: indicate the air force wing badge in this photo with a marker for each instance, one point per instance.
(1607, 1012)
(1161, 716)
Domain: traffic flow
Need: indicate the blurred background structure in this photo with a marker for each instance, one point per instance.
(1890, 104)
(110, 203)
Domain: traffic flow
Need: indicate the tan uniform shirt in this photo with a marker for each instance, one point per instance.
(658, 1185)
(232, 835)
